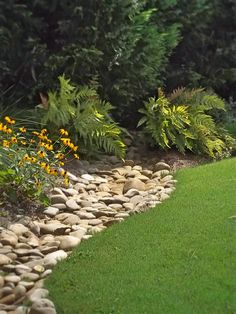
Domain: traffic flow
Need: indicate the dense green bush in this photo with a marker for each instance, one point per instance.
(84, 115)
(206, 54)
(185, 120)
(115, 44)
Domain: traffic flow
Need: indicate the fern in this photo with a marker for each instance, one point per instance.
(86, 116)
(184, 119)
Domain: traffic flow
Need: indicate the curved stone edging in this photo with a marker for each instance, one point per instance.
(30, 249)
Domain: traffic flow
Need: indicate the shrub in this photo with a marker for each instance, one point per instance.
(184, 119)
(30, 162)
(115, 42)
(85, 115)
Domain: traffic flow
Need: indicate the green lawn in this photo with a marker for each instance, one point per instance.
(177, 258)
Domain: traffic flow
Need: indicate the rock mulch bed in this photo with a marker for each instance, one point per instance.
(95, 199)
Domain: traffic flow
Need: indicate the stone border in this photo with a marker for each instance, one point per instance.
(30, 249)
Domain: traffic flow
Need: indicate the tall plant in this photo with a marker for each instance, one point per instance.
(85, 115)
(184, 119)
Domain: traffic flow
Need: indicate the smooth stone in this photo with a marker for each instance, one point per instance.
(56, 191)
(72, 177)
(72, 205)
(46, 273)
(120, 199)
(21, 269)
(95, 222)
(25, 252)
(27, 284)
(115, 206)
(29, 277)
(58, 199)
(37, 294)
(51, 211)
(131, 193)
(160, 173)
(5, 249)
(128, 206)
(18, 229)
(87, 177)
(23, 246)
(79, 233)
(8, 237)
(121, 215)
(1, 282)
(42, 306)
(5, 291)
(19, 291)
(12, 278)
(60, 206)
(70, 192)
(136, 199)
(68, 242)
(8, 299)
(51, 259)
(68, 218)
(107, 213)
(85, 215)
(161, 166)
(53, 228)
(164, 197)
(49, 249)
(91, 187)
(87, 236)
(167, 178)
(5, 260)
(38, 269)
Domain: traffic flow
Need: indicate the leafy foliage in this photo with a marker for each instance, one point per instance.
(206, 54)
(85, 115)
(184, 119)
(29, 161)
(115, 43)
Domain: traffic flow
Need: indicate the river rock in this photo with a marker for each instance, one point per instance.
(51, 211)
(72, 205)
(134, 183)
(51, 259)
(42, 306)
(4, 259)
(18, 229)
(8, 237)
(161, 166)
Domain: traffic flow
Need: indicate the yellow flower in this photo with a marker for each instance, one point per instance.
(48, 147)
(41, 154)
(63, 132)
(53, 172)
(9, 120)
(32, 141)
(22, 130)
(33, 159)
(63, 173)
(43, 131)
(14, 140)
(35, 133)
(6, 143)
(26, 157)
(59, 156)
(66, 141)
(66, 181)
(61, 163)
(9, 131)
(76, 156)
(23, 142)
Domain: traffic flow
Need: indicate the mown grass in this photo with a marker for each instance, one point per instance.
(177, 258)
